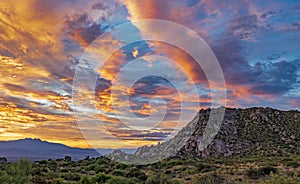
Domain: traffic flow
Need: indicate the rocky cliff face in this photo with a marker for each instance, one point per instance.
(252, 131)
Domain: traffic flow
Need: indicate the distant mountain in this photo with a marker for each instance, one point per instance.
(243, 132)
(36, 149)
(106, 151)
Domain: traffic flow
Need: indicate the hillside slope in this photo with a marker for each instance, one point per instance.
(243, 132)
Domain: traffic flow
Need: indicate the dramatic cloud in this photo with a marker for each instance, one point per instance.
(41, 43)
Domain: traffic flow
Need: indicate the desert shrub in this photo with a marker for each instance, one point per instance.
(136, 173)
(160, 179)
(286, 159)
(72, 176)
(42, 162)
(101, 178)
(52, 163)
(189, 172)
(253, 174)
(45, 169)
(120, 180)
(188, 161)
(263, 171)
(64, 170)
(52, 175)
(173, 162)
(102, 160)
(57, 181)
(209, 179)
(203, 167)
(118, 173)
(85, 180)
(39, 180)
(91, 167)
(293, 164)
(276, 179)
(122, 166)
(168, 172)
(18, 173)
(36, 171)
(267, 170)
(157, 165)
(99, 168)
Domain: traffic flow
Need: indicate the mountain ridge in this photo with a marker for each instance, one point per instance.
(37, 149)
(243, 132)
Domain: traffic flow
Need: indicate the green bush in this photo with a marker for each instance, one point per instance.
(122, 166)
(120, 180)
(85, 180)
(276, 179)
(293, 164)
(99, 169)
(263, 171)
(72, 176)
(209, 179)
(203, 167)
(37, 171)
(189, 172)
(267, 170)
(102, 161)
(253, 174)
(118, 173)
(101, 178)
(39, 180)
(42, 162)
(160, 179)
(64, 170)
(91, 167)
(173, 162)
(18, 173)
(58, 181)
(136, 173)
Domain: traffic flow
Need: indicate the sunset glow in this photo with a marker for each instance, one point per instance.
(41, 42)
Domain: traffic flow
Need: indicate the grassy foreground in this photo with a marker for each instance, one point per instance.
(272, 170)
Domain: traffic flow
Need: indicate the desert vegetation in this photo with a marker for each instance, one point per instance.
(264, 170)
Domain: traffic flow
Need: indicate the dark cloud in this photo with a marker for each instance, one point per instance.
(82, 29)
(102, 85)
(274, 89)
(154, 86)
(234, 66)
(160, 135)
(275, 78)
(99, 6)
(149, 84)
(268, 14)
(266, 75)
(243, 27)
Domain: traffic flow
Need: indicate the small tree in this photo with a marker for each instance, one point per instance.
(68, 158)
(85, 180)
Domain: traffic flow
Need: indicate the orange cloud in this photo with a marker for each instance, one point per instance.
(143, 9)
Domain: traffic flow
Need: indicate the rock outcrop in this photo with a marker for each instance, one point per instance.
(252, 131)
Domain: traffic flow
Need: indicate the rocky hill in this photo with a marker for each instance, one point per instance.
(243, 132)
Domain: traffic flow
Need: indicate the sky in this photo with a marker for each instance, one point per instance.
(143, 88)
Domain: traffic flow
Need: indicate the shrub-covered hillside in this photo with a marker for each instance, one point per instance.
(271, 170)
